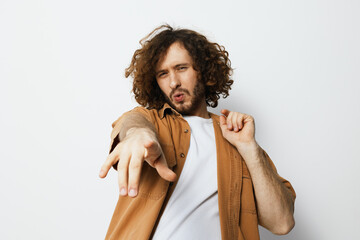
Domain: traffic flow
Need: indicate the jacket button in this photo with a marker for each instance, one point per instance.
(182, 155)
(186, 130)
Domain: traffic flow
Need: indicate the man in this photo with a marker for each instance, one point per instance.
(205, 176)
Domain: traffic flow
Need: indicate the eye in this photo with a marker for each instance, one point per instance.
(182, 68)
(161, 74)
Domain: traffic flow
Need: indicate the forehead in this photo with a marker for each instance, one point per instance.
(175, 54)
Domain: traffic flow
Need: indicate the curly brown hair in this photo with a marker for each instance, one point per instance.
(211, 61)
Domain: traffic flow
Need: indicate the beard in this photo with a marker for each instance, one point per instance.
(196, 99)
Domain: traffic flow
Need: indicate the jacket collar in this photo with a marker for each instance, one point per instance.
(166, 109)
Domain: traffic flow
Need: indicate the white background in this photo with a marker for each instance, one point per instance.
(62, 84)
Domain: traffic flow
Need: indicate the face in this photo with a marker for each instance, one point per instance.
(178, 81)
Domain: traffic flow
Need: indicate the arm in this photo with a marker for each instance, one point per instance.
(275, 203)
(134, 120)
(138, 143)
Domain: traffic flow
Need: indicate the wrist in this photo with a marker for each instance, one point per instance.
(250, 151)
(135, 130)
(248, 147)
(131, 131)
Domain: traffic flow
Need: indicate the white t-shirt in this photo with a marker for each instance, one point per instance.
(192, 211)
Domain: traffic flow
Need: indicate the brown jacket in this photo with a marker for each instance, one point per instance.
(136, 218)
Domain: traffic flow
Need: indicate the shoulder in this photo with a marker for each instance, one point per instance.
(150, 114)
(215, 117)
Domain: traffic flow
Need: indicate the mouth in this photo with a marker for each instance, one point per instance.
(178, 97)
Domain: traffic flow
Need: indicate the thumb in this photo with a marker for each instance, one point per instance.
(160, 164)
(164, 171)
(151, 148)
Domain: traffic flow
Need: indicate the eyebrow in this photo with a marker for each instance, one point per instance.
(176, 66)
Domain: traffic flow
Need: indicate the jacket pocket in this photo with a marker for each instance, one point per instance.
(152, 186)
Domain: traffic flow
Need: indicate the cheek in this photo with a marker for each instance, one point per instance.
(193, 81)
(189, 79)
(160, 84)
(163, 87)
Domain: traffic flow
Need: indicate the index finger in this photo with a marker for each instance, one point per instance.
(110, 160)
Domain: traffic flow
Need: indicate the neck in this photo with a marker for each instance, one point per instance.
(201, 111)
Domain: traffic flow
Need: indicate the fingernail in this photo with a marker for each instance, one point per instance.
(132, 192)
(229, 125)
(123, 191)
(101, 172)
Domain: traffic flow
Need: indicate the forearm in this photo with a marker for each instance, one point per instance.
(275, 203)
(134, 120)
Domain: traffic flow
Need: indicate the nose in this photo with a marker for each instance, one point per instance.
(174, 81)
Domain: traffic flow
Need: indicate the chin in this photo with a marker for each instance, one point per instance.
(184, 108)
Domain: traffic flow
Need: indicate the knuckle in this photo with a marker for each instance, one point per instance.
(122, 166)
(113, 156)
(151, 162)
(124, 158)
(156, 162)
(135, 165)
(110, 157)
(120, 144)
